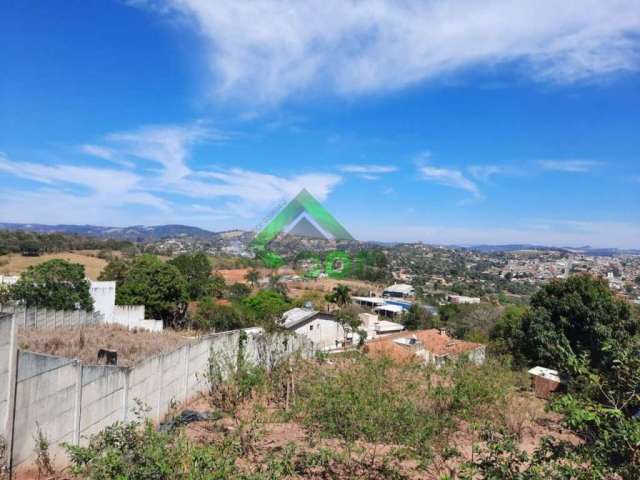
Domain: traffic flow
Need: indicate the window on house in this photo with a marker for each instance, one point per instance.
(310, 327)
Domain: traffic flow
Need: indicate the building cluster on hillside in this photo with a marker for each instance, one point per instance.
(621, 272)
(378, 330)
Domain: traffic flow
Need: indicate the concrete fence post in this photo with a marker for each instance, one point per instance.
(10, 418)
(125, 395)
(186, 372)
(160, 382)
(77, 414)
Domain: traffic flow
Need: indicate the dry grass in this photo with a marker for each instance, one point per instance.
(83, 343)
(14, 263)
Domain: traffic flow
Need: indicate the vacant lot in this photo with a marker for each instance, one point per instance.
(14, 263)
(83, 343)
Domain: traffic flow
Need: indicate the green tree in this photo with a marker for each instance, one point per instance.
(266, 305)
(54, 284)
(220, 318)
(578, 317)
(196, 270)
(238, 291)
(417, 318)
(218, 286)
(158, 286)
(506, 336)
(116, 270)
(340, 295)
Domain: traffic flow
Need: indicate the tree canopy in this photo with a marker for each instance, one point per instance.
(576, 317)
(157, 285)
(54, 284)
(196, 270)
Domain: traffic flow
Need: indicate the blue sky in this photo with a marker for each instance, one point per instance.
(447, 122)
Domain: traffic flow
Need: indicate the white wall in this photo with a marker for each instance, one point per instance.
(131, 316)
(104, 298)
(323, 332)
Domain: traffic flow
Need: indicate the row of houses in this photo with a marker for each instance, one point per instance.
(378, 331)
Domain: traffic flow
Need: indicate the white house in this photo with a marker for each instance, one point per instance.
(321, 328)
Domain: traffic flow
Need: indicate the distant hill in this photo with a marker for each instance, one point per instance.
(157, 233)
(135, 233)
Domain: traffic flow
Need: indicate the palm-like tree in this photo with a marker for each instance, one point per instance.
(340, 295)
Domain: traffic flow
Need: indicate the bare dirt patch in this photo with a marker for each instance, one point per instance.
(83, 343)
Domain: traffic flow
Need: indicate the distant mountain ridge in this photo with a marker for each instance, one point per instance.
(148, 234)
(134, 233)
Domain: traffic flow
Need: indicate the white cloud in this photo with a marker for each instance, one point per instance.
(574, 166)
(73, 190)
(485, 172)
(268, 50)
(167, 145)
(368, 169)
(96, 151)
(450, 178)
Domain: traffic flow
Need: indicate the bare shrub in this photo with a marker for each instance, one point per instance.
(43, 458)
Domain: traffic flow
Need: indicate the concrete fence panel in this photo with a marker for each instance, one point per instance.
(102, 399)
(46, 393)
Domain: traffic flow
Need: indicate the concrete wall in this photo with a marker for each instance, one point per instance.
(70, 401)
(323, 331)
(104, 298)
(33, 317)
(128, 315)
(6, 353)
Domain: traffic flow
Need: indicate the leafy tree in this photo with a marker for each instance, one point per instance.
(116, 270)
(158, 286)
(506, 335)
(252, 277)
(266, 305)
(348, 318)
(54, 284)
(340, 295)
(218, 286)
(5, 293)
(196, 270)
(466, 320)
(573, 318)
(219, 318)
(417, 318)
(238, 291)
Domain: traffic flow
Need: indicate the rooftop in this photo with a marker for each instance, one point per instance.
(435, 341)
(295, 316)
(400, 288)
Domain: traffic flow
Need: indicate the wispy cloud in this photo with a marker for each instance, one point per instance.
(450, 178)
(368, 172)
(353, 47)
(485, 172)
(370, 169)
(573, 166)
(159, 171)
